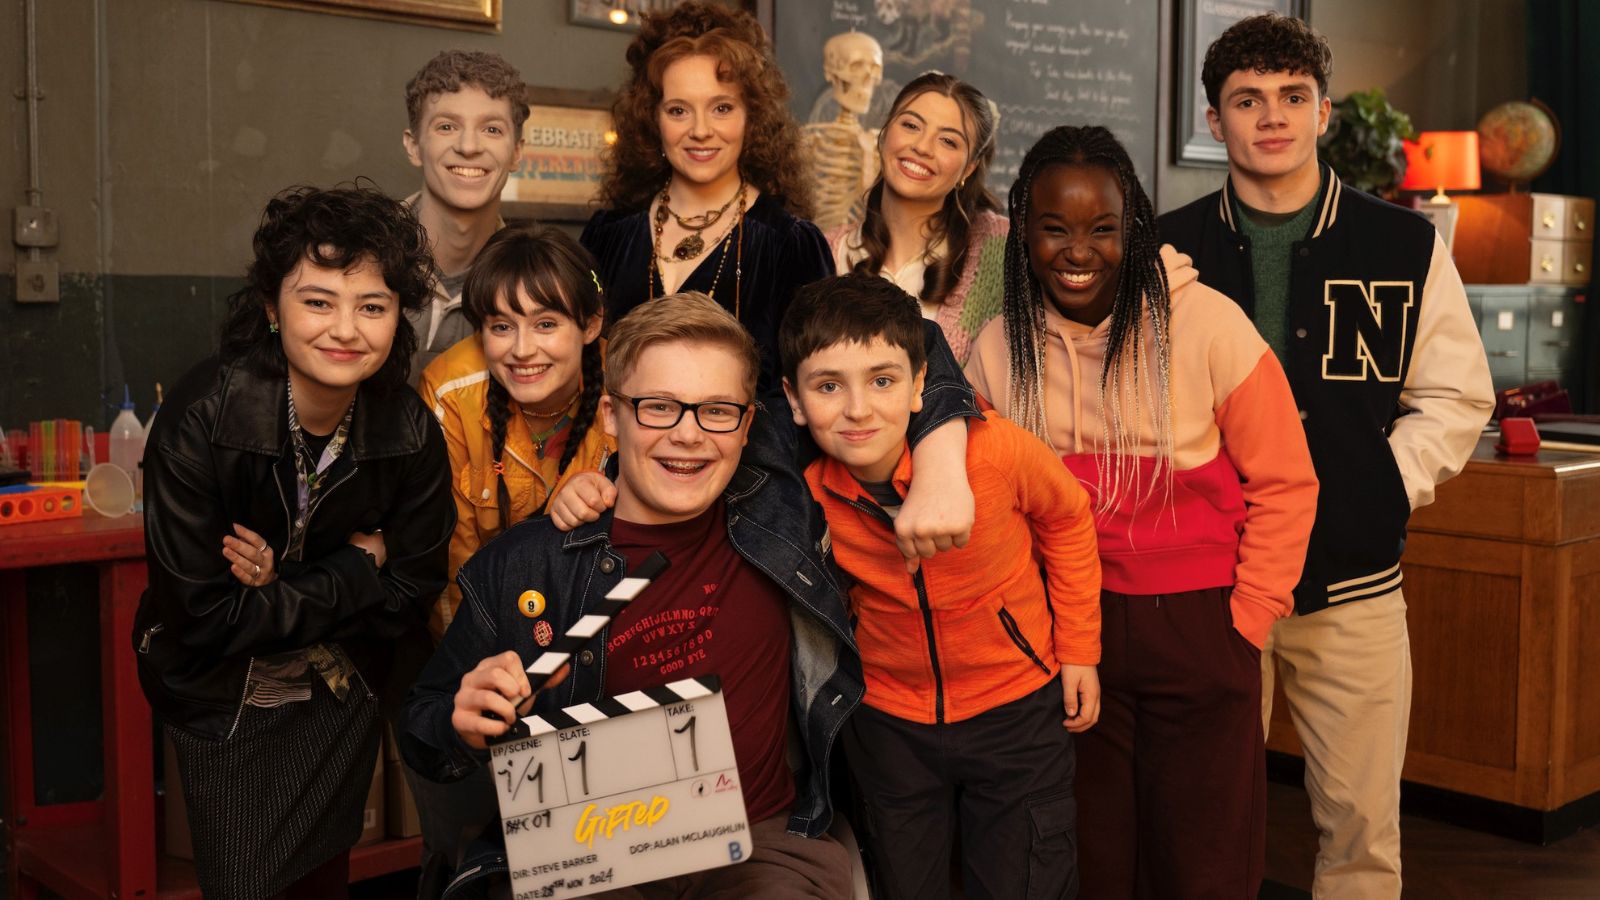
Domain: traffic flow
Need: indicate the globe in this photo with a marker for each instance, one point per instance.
(1517, 141)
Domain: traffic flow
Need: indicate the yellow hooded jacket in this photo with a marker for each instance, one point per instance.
(455, 386)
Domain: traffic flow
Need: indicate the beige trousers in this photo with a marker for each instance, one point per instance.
(1346, 672)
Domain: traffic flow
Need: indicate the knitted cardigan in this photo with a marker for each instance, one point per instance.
(979, 292)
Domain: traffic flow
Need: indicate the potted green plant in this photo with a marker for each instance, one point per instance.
(1364, 142)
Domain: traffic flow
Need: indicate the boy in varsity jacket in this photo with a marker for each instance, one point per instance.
(1363, 305)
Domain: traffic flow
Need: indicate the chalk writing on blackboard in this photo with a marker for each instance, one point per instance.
(1043, 62)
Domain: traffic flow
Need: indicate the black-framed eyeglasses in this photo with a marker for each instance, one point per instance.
(715, 416)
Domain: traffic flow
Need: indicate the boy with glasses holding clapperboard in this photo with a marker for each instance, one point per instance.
(706, 479)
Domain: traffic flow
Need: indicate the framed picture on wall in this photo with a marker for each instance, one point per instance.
(469, 15)
(1200, 22)
(558, 178)
(613, 15)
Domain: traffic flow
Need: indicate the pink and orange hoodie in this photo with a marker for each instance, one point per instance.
(1243, 493)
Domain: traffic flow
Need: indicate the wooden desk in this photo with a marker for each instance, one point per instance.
(1502, 582)
(105, 847)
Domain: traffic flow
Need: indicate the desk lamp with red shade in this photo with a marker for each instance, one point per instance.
(1439, 161)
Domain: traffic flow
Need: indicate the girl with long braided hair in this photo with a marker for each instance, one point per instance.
(518, 398)
(1176, 416)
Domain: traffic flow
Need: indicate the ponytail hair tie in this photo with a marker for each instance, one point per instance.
(499, 468)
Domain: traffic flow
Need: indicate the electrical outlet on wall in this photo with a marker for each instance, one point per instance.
(38, 281)
(34, 226)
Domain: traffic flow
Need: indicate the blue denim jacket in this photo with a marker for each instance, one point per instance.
(772, 523)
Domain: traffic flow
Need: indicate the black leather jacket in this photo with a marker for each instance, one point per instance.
(219, 453)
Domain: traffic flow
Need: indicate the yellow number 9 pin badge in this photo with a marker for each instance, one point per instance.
(531, 604)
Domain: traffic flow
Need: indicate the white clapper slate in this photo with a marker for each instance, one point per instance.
(622, 790)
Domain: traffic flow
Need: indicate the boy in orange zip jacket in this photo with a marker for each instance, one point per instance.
(963, 724)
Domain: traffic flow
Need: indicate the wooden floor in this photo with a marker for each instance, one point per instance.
(1441, 862)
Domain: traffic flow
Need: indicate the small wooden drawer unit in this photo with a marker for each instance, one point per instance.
(1525, 239)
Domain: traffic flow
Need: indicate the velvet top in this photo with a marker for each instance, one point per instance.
(779, 254)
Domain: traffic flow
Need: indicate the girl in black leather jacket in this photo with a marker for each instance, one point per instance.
(297, 519)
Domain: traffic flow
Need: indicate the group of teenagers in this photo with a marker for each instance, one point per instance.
(993, 522)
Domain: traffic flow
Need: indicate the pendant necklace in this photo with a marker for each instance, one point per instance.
(540, 437)
(694, 243)
(734, 237)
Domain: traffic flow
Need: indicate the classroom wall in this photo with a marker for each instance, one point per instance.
(1444, 62)
(167, 123)
(165, 126)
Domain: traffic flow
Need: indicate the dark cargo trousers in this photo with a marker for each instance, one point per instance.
(1002, 778)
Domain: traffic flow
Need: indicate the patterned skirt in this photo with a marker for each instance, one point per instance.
(282, 795)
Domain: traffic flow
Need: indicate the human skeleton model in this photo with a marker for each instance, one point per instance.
(845, 155)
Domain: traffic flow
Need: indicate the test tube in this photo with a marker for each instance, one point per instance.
(73, 443)
(47, 450)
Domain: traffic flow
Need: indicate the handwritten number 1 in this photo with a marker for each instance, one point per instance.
(582, 759)
(694, 751)
(537, 776)
(515, 787)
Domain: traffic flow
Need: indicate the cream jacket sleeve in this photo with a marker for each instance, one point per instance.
(1448, 395)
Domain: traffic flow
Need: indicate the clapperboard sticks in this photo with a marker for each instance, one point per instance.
(581, 634)
(692, 688)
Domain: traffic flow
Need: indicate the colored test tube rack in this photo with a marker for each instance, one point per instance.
(36, 503)
(54, 449)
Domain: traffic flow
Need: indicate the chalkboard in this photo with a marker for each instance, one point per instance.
(1043, 62)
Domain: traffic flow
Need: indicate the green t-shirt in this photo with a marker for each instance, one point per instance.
(1272, 237)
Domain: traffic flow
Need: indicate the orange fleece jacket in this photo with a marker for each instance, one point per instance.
(974, 629)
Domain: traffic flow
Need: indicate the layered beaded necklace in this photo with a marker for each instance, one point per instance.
(529, 416)
(692, 246)
(309, 472)
(694, 243)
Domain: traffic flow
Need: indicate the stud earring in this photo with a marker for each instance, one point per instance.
(272, 327)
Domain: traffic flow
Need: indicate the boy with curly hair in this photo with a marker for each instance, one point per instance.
(1363, 305)
(464, 115)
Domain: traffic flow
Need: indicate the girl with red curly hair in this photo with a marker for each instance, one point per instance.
(706, 186)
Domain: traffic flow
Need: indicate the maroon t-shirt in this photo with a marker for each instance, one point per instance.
(711, 613)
